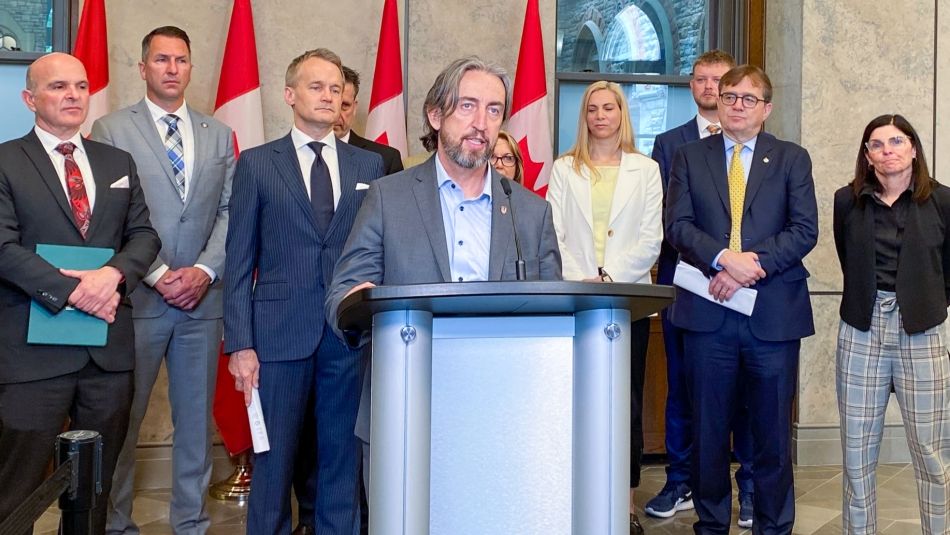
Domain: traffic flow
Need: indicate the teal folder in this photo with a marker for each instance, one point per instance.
(71, 327)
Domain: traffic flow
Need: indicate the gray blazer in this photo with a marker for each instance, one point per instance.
(398, 236)
(194, 231)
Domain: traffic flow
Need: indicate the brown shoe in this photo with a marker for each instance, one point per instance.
(635, 527)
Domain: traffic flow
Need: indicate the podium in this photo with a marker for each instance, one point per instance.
(500, 407)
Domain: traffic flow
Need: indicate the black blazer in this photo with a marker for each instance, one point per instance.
(923, 277)
(34, 209)
(392, 160)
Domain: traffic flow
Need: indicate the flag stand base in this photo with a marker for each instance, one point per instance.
(237, 486)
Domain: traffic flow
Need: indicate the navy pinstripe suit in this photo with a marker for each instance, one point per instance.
(272, 231)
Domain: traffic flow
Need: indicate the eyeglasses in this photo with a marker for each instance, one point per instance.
(748, 101)
(896, 142)
(508, 160)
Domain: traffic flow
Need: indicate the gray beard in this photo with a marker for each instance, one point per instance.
(455, 152)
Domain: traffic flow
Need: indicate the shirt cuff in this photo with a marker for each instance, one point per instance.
(207, 270)
(715, 263)
(156, 275)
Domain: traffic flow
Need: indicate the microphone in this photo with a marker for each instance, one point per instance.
(520, 271)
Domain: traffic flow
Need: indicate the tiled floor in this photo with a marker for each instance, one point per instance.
(817, 500)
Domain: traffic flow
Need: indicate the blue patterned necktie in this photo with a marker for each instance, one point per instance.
(176, 152)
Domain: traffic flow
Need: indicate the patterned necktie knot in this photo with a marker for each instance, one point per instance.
(713, 129)
(66, 148)
(171, 120)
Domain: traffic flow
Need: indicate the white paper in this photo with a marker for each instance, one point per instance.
(694, 281)
(255, 416)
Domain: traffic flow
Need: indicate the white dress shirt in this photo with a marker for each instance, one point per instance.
(50, 142)
(306, 156)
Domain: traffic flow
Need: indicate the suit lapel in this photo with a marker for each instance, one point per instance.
(103, 178)
(691, 131)
(580, 191)
(759, 168)
(44, 166)
(502, 228)
(627, 179)
(349, 176)
(199, 129)
(142, 119)
(716, 160)
(426, 193)
(288, 168)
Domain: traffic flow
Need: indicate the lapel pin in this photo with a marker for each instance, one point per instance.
(765, 160)
(504, 209)
(204, 125)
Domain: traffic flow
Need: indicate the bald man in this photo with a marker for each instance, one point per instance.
(58, 188)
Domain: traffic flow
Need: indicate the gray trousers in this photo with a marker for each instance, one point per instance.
(190, 349)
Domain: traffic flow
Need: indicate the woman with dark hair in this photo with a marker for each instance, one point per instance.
(890, 227)
(506, 157)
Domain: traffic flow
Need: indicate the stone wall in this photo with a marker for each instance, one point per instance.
(26, 21)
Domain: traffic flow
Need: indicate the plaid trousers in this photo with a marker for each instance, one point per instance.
(917, 365)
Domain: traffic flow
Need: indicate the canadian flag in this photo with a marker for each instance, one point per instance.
(238, 103)
(92, 49)
(529, 105)
(386, 122)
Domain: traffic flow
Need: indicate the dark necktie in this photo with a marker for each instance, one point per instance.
(78, 199)
(321, 189)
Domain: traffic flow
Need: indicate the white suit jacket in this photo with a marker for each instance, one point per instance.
(635, 228)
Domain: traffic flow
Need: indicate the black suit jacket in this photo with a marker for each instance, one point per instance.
(779, 223)
(392, 160)
(664, 148)
(33, 210)
(923, 267)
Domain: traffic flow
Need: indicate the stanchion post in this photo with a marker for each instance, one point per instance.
(83, 449)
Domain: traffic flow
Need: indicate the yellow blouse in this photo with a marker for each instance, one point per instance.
(601, 199)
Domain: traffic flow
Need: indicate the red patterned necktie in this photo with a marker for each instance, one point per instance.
(78, 199)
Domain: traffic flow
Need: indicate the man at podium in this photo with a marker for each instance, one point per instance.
(450, 218)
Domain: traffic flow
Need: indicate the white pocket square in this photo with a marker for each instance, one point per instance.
(361, 186)
(121, 183)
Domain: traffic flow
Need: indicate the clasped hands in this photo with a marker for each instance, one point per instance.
(740, 270)
(97, 293)
(183, 288)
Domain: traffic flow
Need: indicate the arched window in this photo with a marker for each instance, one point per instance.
(632, 44)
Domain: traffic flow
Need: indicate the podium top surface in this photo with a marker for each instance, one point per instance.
(503, 298)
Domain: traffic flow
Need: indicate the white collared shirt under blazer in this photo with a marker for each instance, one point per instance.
(635, 226)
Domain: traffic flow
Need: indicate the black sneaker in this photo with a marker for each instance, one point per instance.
(745, 510)
(674, 497)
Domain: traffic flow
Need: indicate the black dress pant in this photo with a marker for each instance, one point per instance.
(639, 338)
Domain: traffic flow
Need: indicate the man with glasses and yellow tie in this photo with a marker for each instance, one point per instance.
(741, 208)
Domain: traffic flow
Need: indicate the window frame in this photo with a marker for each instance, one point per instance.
(62, 22)
(724, 18)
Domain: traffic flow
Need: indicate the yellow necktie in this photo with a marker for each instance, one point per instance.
(736, 198)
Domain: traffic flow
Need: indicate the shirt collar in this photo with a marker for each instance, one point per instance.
(750, 144)
(346, 137)
(442, 177)
(871, 188)
(703, 123)
(300, 139)
(50, 142)
(157, 112)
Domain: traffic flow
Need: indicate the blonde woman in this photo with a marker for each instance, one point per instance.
(607, 203)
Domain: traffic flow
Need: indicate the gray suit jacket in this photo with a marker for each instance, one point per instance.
(194, 231)
(398, 236)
